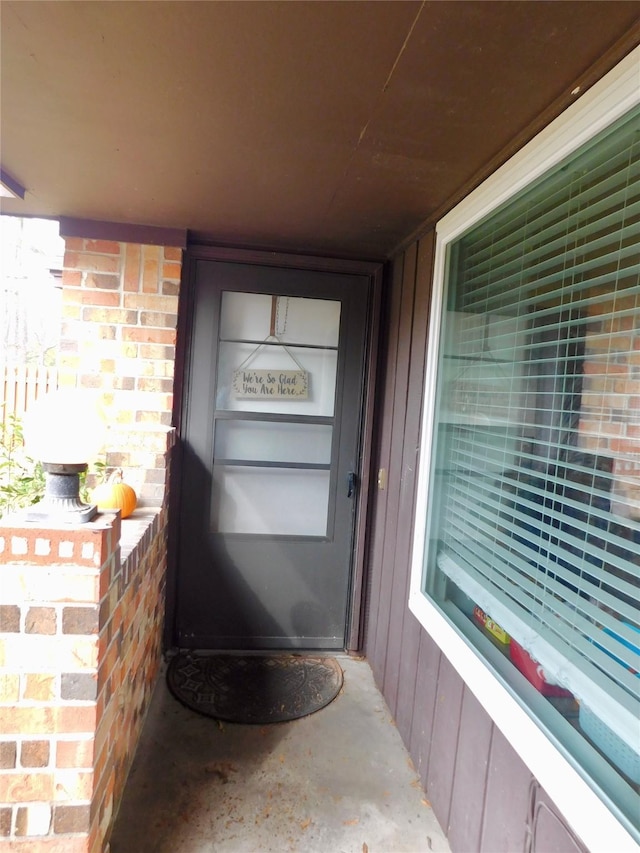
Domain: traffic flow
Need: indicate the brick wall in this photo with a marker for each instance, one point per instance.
(52, 585)
(610, 406)
(120, 304)
(81, 612)
(129, 653)
(80, 649)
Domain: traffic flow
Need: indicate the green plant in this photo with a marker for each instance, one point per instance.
(21, 477)
(92, 478)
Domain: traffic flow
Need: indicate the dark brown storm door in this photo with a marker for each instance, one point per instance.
(271, 443)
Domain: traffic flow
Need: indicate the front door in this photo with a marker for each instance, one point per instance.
(271, 444)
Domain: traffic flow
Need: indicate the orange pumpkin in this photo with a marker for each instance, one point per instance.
(114, 494)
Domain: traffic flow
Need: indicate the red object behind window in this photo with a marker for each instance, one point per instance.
(533, 672)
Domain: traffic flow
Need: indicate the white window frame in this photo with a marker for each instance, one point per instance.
(587, 814)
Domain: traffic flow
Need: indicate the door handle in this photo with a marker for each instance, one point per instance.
(351, 484)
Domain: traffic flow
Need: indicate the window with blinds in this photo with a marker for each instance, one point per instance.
(533, 534)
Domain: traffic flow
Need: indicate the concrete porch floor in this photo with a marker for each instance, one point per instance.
(337, 781)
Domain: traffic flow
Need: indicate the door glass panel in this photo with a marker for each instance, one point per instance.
(273, 442)
(277, 355)
(276, 501)
(319, 364)
(248, 317)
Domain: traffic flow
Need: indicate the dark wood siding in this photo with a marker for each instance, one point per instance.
(469, 775)
(483, 795)
(506, 798)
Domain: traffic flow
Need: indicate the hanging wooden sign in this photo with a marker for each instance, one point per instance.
(271, 384)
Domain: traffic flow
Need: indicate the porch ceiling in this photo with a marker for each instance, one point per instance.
(329, 127)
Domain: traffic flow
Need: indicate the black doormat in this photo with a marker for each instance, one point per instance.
(254, 688)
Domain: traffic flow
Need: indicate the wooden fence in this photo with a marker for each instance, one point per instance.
(22, 384)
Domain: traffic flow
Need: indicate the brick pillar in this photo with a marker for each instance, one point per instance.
(51, 646)
(80, 627)
(120, 304)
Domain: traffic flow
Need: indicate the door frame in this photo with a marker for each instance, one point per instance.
(373, 270)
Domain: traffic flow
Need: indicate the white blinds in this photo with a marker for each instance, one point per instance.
(538, 440)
